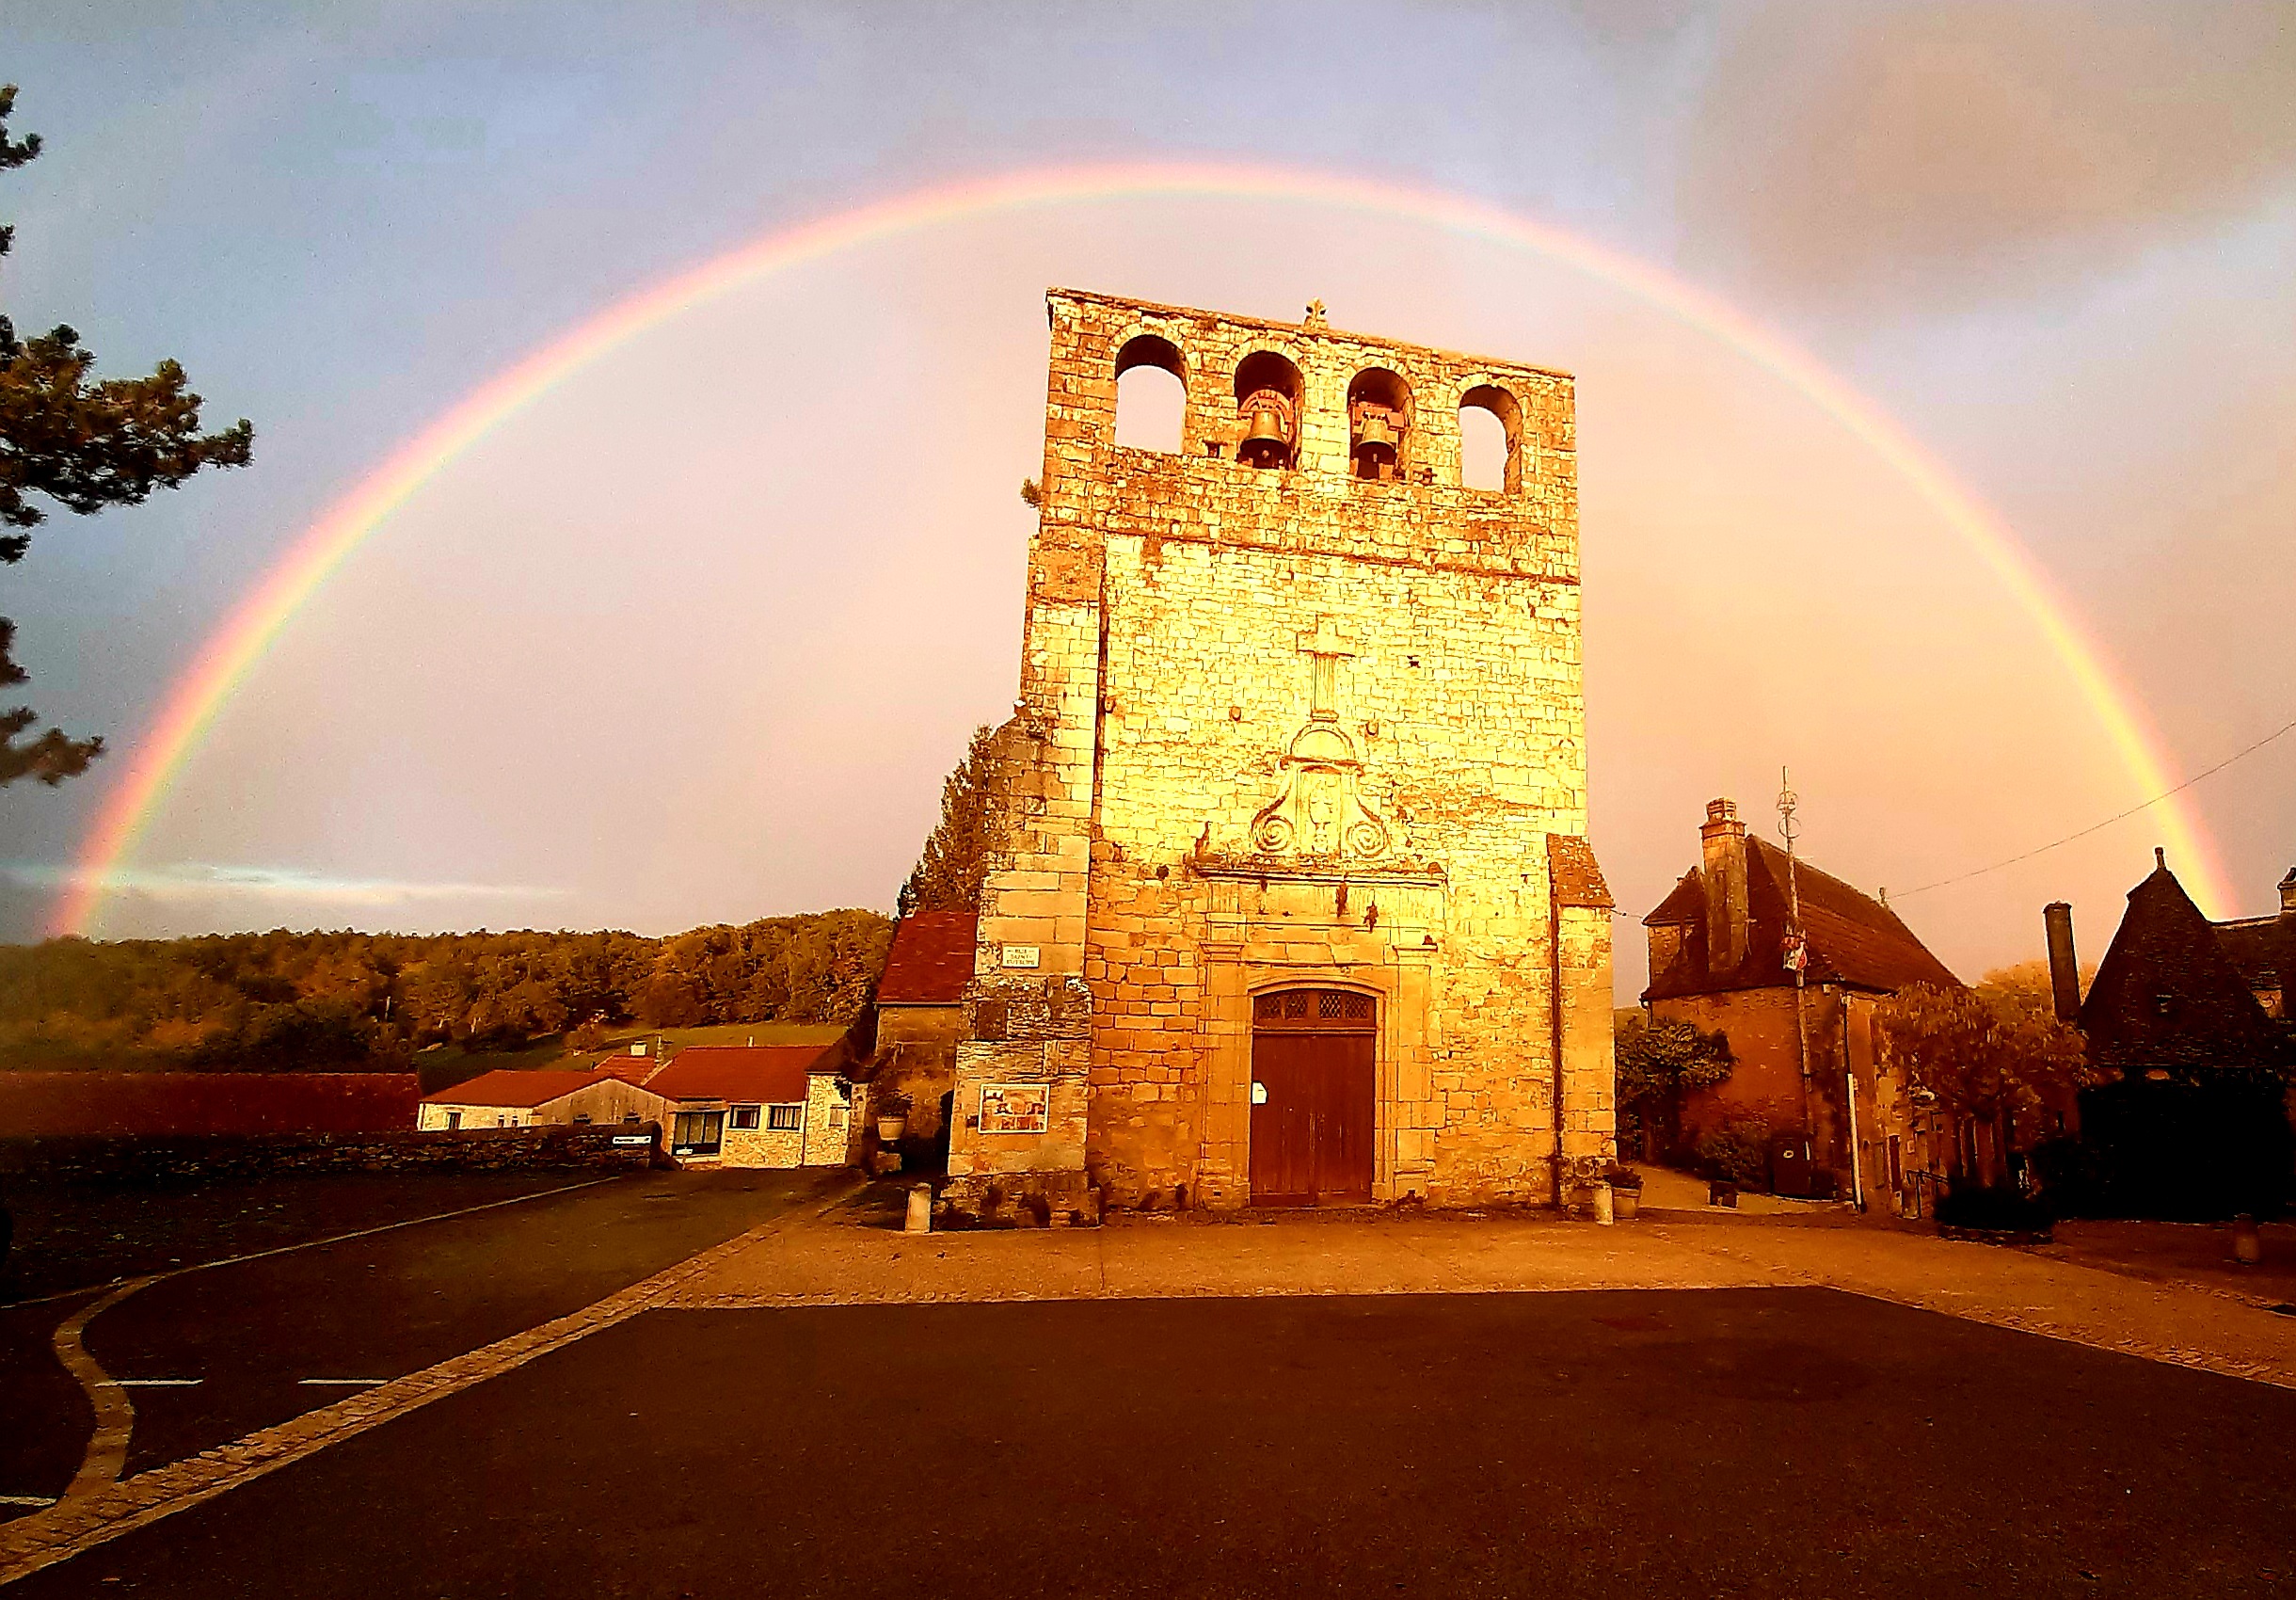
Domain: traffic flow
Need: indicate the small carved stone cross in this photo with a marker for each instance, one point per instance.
(1326, 649)
(1315, 316)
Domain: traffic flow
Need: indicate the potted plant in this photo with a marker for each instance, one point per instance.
(1625, 1193)
(892, 1118)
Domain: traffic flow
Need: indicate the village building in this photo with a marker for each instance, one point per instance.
(1296, 904)
(511, 1098)
(920, 1016)
(1719, 960)
(2263, 950)
(758, 1106)
(2181, 1011)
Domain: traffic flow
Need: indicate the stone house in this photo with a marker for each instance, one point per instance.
(2263, 950)
(1296, 904)
(758, 1106)
(1719, 960)
(920, 1016)
(530, 1100)
(2182, 1009)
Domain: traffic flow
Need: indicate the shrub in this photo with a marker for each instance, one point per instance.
(1977, 1205)
(1737, 1151)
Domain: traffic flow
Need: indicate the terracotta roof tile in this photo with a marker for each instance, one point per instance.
(510, 1086)
(931, 959)
(760, 1074)
(1854, 938)
(1578, 881)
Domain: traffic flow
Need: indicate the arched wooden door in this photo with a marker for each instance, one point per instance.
(1315, 1095)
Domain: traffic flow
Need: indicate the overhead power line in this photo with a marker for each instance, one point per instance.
(2117, 817)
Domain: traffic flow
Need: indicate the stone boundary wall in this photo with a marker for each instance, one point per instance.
(506, 1149)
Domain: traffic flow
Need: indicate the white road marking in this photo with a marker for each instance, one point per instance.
(35, 1501)
(107, 1443)
(57, 1533)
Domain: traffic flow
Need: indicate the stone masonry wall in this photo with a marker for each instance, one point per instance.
(547, 1148)
(1327, 726)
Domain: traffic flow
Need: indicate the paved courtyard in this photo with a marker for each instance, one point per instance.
(1692, 1403)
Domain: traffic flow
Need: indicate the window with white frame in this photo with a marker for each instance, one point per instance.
(745, 1118)
(787, 1118)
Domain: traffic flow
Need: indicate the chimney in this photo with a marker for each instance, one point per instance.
(1723, 840)
(2287, 894)
(2063, 971)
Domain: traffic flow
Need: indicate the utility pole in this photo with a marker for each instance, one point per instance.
(1797, 953)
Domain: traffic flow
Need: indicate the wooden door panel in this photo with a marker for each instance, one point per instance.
(1312, 1137)
(1283, 1142)
(1348, 1101)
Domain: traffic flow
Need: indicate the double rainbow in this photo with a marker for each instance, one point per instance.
(235, 647)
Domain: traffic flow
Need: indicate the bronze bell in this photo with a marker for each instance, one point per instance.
(1266, 431)
(1374, 442)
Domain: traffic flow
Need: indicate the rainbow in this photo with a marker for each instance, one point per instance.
(234, 648)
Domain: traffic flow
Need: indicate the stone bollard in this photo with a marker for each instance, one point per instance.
(2247, 1244)
(1603, 1212)
(920, 1210)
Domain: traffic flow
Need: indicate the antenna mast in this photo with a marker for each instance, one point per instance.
(1797, 948)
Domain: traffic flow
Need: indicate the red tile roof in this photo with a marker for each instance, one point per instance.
(510, 1087)
(931, 959)
(1577, 880)
(159, 1104)
(755, 1074)
(1854, 939)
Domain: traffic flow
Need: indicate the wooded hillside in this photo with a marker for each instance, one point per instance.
(345, 999)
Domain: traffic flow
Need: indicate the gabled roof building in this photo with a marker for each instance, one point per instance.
(920, 1017)
(1719, 945)
(2170, 994)
(2192, 1015)
(758, 1106)
(510, 1098)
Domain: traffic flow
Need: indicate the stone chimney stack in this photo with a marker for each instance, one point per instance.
(2287, 894)
(2063, 971)
(1724, 868)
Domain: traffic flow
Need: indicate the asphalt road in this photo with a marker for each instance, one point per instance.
(1760, 1443)
(242, 1345)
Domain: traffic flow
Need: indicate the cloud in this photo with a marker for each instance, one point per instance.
(1935, 149)
(207, 882)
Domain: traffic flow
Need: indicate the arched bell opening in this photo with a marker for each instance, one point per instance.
(1489, 439)
(1378, 423)
(1151, 393)
(1268, 390)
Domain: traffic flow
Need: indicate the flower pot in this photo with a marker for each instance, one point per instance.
(890, 1128)
(1624, 1203)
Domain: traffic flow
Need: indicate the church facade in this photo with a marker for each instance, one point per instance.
(1296, 904)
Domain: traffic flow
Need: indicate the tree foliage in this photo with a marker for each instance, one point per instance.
(348, 999)
(948, 876)
(1661, 1060)
(84, 444)
(1989, 1052)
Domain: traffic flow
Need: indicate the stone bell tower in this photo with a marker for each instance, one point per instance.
(1296, 904)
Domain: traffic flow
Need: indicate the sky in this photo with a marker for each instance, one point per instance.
(693, 635)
